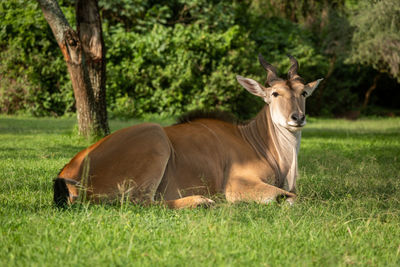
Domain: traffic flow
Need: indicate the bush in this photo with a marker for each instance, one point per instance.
(172, 69)
(32, 70)
(167, 57)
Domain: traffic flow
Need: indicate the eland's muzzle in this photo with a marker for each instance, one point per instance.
(297, 119)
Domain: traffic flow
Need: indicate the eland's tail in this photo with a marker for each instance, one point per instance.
(62, 195)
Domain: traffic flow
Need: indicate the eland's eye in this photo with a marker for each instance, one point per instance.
(304, 93)
(275, 94)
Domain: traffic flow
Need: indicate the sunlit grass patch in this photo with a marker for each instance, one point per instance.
(348, 211)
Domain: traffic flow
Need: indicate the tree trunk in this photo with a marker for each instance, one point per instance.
(89, 119)
(88, 24)
(370, 89)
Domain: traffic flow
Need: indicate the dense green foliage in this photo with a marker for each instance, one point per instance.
(167, 57)
(378, 29)
(348, 212)
(33, 74)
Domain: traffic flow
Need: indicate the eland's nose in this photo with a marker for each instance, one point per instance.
(298, 117)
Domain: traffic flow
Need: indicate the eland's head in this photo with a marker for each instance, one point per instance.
(286, 98)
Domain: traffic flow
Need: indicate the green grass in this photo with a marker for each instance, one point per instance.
(348, 212)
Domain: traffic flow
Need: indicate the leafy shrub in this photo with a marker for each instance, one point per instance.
(171, 69)
(32, 69)
(167, 57)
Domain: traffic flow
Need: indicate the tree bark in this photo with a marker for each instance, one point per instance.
(370, 89)
(91, 35)
(89, 119)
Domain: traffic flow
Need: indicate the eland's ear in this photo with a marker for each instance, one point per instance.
(310, 87)
(252, 86)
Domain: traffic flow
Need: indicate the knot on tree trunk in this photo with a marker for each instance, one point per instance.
(73, 47)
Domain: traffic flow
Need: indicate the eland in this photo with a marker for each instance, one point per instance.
(202, 155)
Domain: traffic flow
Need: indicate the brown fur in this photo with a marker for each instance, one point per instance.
(202, 155)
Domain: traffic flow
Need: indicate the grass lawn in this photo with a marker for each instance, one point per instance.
(348, 212)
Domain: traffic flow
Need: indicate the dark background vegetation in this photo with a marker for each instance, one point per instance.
(170, 56)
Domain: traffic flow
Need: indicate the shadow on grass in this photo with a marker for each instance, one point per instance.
(60, 151)
(20, 126)
(17, 125)
(349, 133)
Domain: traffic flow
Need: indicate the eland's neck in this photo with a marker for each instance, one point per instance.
(277, 145)
(288, 145)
